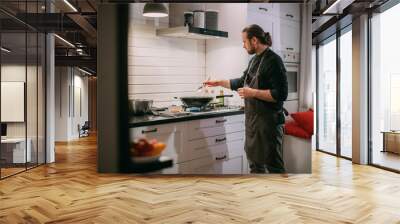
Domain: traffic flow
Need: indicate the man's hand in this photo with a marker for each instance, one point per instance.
(223, 83)
(247, 92)
(212, 83)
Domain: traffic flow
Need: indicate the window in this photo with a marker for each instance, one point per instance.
(335, 74)
(385, 89)
(346, 93)
(326, 102)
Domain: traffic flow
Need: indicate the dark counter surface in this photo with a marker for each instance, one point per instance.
(147, 120)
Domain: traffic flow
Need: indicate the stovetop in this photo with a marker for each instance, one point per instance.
(216, 109)
(164, 117)
(196, 111)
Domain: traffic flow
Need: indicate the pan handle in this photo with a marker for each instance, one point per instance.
(222, 96)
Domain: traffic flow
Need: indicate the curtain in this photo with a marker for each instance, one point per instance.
(306, 87)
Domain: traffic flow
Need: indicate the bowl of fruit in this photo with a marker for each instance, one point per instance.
(144, 151)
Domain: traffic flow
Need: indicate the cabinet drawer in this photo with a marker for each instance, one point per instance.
(219, 163)
(217, 140)
(233, 165)
(215, 126)
(290, 11)
(153, 130)
(235, 146)
(215, 122)
(214, 131)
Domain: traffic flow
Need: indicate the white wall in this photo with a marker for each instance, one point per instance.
(33, 126)
(17, 73)
(225, 57)
(69, 82)
(161, 68)
(79, 117)
(61, 103)
(314, 91)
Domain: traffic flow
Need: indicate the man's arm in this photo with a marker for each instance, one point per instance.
(260, 94)
(264, 95)
(233, 84)
(279, 90)
(224, 83)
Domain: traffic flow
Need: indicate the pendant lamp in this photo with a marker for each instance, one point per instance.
(155, 10)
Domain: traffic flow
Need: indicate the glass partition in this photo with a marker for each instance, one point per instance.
(22, 88)
(14, 144)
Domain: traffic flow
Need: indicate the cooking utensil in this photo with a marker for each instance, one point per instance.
(199, 18)
(211, 19)
(196, 101)
(140, 106)
(188, 18)
(203, 85)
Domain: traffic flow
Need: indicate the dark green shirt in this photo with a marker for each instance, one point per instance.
(272, 77)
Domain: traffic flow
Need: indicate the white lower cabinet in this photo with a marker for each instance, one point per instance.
(206, 146)
(171, 134)
(220, 163)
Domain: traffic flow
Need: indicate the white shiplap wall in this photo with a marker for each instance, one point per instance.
(161, 68)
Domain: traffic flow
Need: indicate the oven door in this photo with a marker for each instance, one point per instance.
(292, 74)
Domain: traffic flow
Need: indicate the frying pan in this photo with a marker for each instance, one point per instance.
(196, 101)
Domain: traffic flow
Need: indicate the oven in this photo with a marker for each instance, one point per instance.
(293, 78)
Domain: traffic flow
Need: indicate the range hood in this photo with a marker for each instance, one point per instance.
(191, 33)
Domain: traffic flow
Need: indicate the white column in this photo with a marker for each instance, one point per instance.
(50, 99)
(360, 90)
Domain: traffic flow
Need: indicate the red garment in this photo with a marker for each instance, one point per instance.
(305, 120)
(292, 128)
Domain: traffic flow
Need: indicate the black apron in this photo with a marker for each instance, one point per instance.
(264, 131)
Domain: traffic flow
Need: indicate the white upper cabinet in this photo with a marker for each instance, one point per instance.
(266, 9)
(289, 11)
(290, 34)
(266, 16)
(282, 21)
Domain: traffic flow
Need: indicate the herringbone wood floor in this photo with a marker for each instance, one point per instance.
(71, 191)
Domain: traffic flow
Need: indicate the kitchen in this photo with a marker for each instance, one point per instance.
(168, 60)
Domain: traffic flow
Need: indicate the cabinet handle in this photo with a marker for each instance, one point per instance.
(220, 139)
(290, 48)
(262, 8)
(220, 158)
(290, 15)
(149, 131)
(220, 121)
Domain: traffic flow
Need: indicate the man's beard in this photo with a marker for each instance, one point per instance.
(252, 50)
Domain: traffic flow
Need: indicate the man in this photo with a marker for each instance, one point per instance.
(264, 89)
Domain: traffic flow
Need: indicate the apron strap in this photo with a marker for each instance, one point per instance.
(257, 72)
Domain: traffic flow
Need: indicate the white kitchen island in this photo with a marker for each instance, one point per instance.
(207, 144)
(212, 143)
